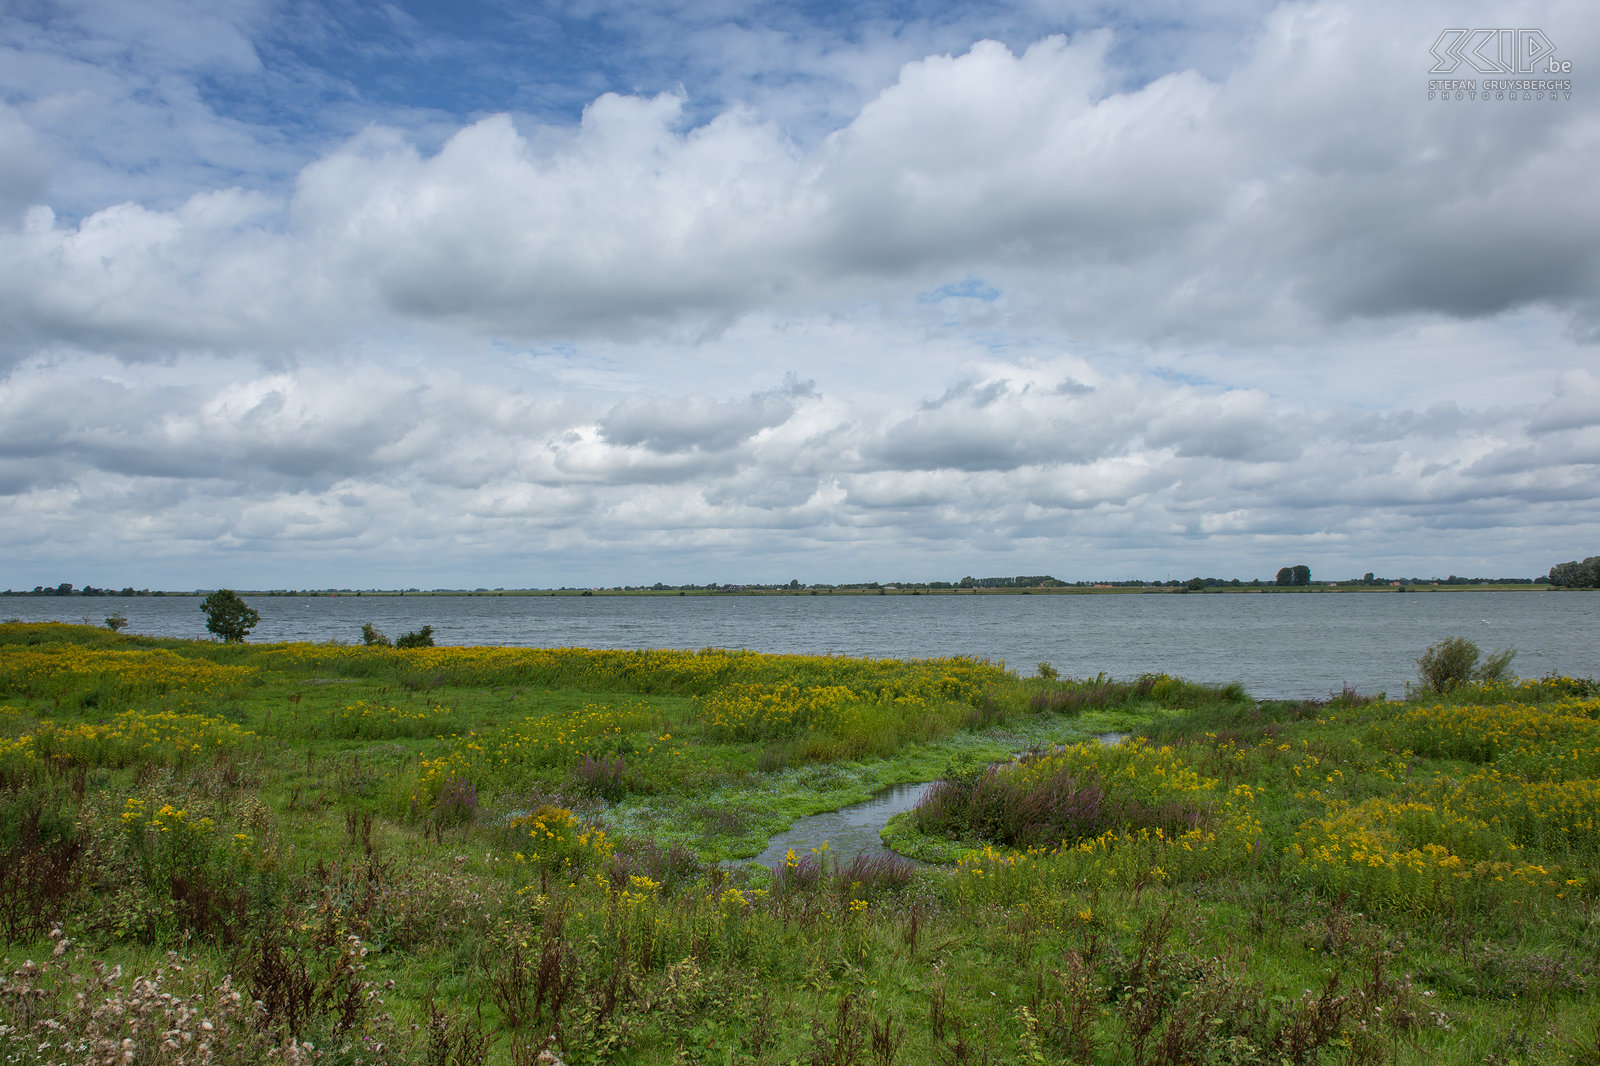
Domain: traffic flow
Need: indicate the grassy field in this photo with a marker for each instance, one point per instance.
(319, 853)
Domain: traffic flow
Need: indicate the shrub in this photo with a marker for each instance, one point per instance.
(371, 636)
(456, 802)
(1453, 662)
(228, 616)
(422, 638)
(1072, 794)
(605, 776)
(116, 622)
(41, 851)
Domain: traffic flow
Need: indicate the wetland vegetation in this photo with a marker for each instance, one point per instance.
(236, 853)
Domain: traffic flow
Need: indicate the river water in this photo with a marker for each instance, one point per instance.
(1277, 645)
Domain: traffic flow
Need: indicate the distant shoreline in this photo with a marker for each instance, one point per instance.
(1298, 590)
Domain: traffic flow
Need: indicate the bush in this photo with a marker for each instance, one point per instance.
(116, 621)
(371, 636)
(228, 616)
(422, 638)
(1453, 662)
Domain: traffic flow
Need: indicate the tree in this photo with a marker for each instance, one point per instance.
(228, 616)
(1295, 575)
(116, 622)
(1454, 661)
(422, 638)
(1576, 575)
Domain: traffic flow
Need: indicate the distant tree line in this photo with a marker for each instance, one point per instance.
(1037, 581)
(1585, 574)
(66, 588)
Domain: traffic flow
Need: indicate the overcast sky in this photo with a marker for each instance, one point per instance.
(301, 293)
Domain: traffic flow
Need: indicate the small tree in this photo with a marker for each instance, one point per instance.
(228, 616)
(372, 636)
(116, 622)
(422, 638)
(1453, 662)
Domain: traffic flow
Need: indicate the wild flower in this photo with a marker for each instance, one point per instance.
(122, 674)
(163, 737)
(553, 838)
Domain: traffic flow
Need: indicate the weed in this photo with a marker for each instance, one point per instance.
(604, 777)
(510, 987)
(42, 852)
(456, 802)
(454, 1041)
(841, 1043)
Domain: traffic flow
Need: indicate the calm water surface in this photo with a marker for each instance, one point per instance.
(1276, 645)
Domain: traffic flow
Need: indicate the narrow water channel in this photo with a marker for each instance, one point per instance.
(847, 830)
(856, 828)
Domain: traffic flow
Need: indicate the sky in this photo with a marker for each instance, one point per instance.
(300, 294)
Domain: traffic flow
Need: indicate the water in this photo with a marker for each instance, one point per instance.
(846, 831)
(856, 828)
(1277, 646)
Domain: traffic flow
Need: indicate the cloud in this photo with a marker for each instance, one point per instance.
(1237, 425)
(1162, 210)
(668, 425)
(406, 463)
(629, 221)
(968, 286)
(25, 164)
(1002, 425)
(1575, 405)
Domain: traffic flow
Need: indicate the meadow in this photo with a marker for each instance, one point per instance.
(329, 853)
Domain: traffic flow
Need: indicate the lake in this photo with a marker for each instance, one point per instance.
(1276, 645)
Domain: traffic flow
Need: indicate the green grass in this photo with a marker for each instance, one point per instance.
(458, 855)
